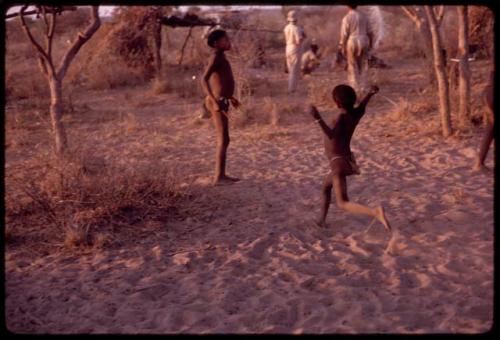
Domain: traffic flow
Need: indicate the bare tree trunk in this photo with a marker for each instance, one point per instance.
(157, 54)
(426, 35)
(444, 97)
(463, 54)
(56, 115)
(55, 75)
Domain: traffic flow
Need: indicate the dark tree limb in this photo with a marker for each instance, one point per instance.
(43, 55)
(181, 56)
(48, 10)
(50, 35)
(189, 20)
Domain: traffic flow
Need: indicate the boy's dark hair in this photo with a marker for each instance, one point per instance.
(314, 48)
(344, 95)
(214, 36)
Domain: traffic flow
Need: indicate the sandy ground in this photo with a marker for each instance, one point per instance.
(255, 263)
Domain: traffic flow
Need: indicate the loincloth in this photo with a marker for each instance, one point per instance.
(344, 165)
(212, 106)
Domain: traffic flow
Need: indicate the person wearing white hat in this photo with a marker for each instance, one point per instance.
(294, 37)
(356, 40)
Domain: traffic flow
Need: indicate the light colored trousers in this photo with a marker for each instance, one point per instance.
(357, 62)
(293, 62)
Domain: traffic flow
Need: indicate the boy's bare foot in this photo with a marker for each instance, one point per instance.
(320, 224)
(225, 180)
(381, 217)
(481, 168)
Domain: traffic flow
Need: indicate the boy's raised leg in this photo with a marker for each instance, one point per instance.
(340, 188)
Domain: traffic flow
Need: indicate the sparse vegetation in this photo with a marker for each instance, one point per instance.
(117, 67)
(83, 200)
(128, 234)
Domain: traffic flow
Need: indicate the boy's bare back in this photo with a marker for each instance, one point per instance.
(221, 78)
(343, 128)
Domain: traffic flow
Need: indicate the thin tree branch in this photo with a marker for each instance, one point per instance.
(439, 10)
(181, 56)
(412, 15)
(65, 8)
(42, 65)
(39, 48)
(51, 34)
(44, 14)
(80, 40)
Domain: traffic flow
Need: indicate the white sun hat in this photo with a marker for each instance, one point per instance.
(292, 15)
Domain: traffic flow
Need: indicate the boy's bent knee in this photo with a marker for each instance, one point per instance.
(342, 204)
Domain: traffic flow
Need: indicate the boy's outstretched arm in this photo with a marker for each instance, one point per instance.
(374, 89)
(326, 129)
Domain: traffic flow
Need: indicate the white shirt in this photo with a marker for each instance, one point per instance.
(354, 24)
(293, 37)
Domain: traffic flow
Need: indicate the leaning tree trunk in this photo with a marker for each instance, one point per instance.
(464, 74)
(56, 112)
(444, 96)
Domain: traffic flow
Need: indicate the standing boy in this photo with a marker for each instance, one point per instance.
(490, 120)
(218, 84)
(356, 40)
(337, 141)
(294, 37)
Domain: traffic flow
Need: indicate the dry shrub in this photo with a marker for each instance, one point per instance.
(261, 113)
(320, 91)
(402, 33)
(23, 78)
(400, 110)
(381, 77)
(272, 109)
(109, 73)
(100, 66)
(120, 54)
(74, 201)
(324, 29)
(481, 21)
(404, 109)
(267, 112)
(181, 80)
(159, 86)
(28, 84)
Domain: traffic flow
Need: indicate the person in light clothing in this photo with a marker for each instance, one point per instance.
(294, 37)
(356, 41)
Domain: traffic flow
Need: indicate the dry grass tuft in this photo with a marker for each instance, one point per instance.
(400, 110)
(271, 108)
(404, 109)
(85, 202)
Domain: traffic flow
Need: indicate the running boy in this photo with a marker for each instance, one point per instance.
(338, 151)
(218, 84)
